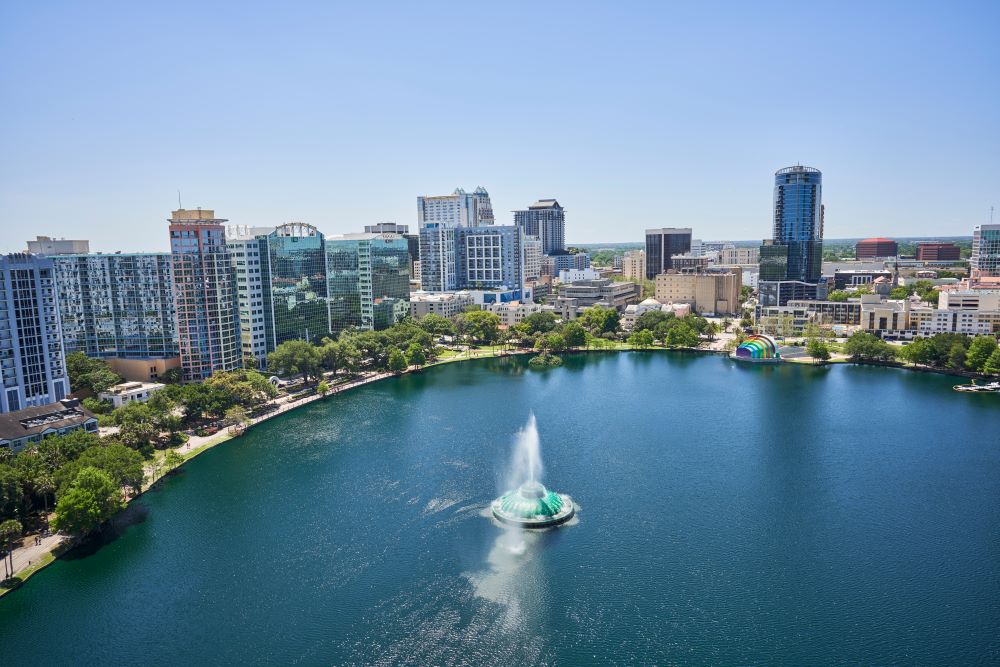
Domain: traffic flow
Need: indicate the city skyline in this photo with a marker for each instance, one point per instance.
(341, 119)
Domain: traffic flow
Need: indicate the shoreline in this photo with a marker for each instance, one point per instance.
(189, 452)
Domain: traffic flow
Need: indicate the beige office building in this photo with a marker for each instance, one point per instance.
(634, 265)
(709, 293)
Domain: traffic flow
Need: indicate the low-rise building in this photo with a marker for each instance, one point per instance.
(553, 263)
(445, 304)
(931, 321)
(846, 278)
(633, 311)
(709, 292)
(513, 312)
(130, 392)
(739, 255)
(21, 428)
(575, 275)
(602, 292)
(969, 300)
(886, 317)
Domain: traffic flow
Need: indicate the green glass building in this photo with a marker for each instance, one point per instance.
(295, 284)
(368, 280)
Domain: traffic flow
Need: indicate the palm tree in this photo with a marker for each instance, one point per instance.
(9, 530)
(45, 485)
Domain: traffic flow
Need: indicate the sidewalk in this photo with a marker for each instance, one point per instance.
(26, 556)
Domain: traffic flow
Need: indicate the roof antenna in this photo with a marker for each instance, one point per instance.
(179, 205)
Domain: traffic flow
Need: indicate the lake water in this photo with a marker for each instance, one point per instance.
(728, 514)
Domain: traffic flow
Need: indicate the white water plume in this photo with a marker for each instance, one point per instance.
(526, 461)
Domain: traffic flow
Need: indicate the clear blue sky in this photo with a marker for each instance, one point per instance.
(632, 115)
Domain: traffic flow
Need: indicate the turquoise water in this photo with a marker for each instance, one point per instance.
(728, 514)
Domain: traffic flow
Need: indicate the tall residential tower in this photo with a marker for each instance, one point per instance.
(545, 219)
(204, 294)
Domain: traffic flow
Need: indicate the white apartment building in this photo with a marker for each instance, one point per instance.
(970, 300)
(532, 257)
(247, 247)
(513, 312)
(445, 304)
(739, 256)
(567, 276)
(129, 392)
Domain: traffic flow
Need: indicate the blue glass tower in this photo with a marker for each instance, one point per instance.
(798, 224)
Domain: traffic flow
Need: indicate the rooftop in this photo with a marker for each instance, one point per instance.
(31, 421)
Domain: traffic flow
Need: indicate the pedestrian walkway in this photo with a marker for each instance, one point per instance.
(26, 556)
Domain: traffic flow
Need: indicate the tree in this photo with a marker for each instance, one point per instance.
(865, 346)
(294, 357)
(247, 387)
(712, 330)
(651, 320)
(415, 355)
(91, 500)
(838, 295)
(436, 325)
(540, 322)
(480, 325)
(979, 351)
(817, 349)
(682, 335)
(237, 416)
(599, 320)
(992, 365)
(123, 466)
(172, 459)
(397, 362)
(172, 376)
(641, 339)
(956, 356)
(323, 388)
(91, 374)
(573, 334)
(10, 530)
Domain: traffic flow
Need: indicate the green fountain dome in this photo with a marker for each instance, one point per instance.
(531, 505)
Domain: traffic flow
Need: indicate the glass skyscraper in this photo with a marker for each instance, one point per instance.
(986, 250)
(661, 245)
(798, 223)
(295, 273)
(368, 280)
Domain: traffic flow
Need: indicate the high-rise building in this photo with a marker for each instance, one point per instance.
(545, 219)
(437, 257)
(33, 367)
(281, 283)
(937, 251)
(708, 292)
(368, 280)
(412, 242)
(489, 257)
(204, 294)
(532, 257)
(661, 245)
(798, 222)
(459, 209)
(634, 264)
(45, 245)
(986, 250)
(118, 306)
(875, 247)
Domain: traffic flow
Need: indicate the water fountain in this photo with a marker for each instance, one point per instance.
(529, 504)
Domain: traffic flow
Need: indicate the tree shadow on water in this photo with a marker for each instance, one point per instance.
(116, 526)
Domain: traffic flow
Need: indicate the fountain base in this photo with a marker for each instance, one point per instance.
(533, 506)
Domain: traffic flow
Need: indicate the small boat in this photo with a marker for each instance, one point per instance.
(991, 388)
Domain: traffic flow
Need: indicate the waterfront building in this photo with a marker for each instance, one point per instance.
(884, 317)
(937, 251)
(437, 257)
(874, 248)
(45, 245)
(931, 321)
(249, 254)
(368, 280)
(445, 304)
(846, 313)
(986, 251)
(33, 368)
(459, 209)
(634, 264)
(634, 310)
(27, 426)
(412, 242)
(661, 245)
(739, 256)
(130, 392)
(205, 298)
(708, 292)
(553, 263)
(513, 312)
(119, 307)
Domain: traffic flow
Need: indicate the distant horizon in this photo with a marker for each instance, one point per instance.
(633, 117)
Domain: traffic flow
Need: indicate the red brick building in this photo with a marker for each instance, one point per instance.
(875, 247)
(938, 252)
